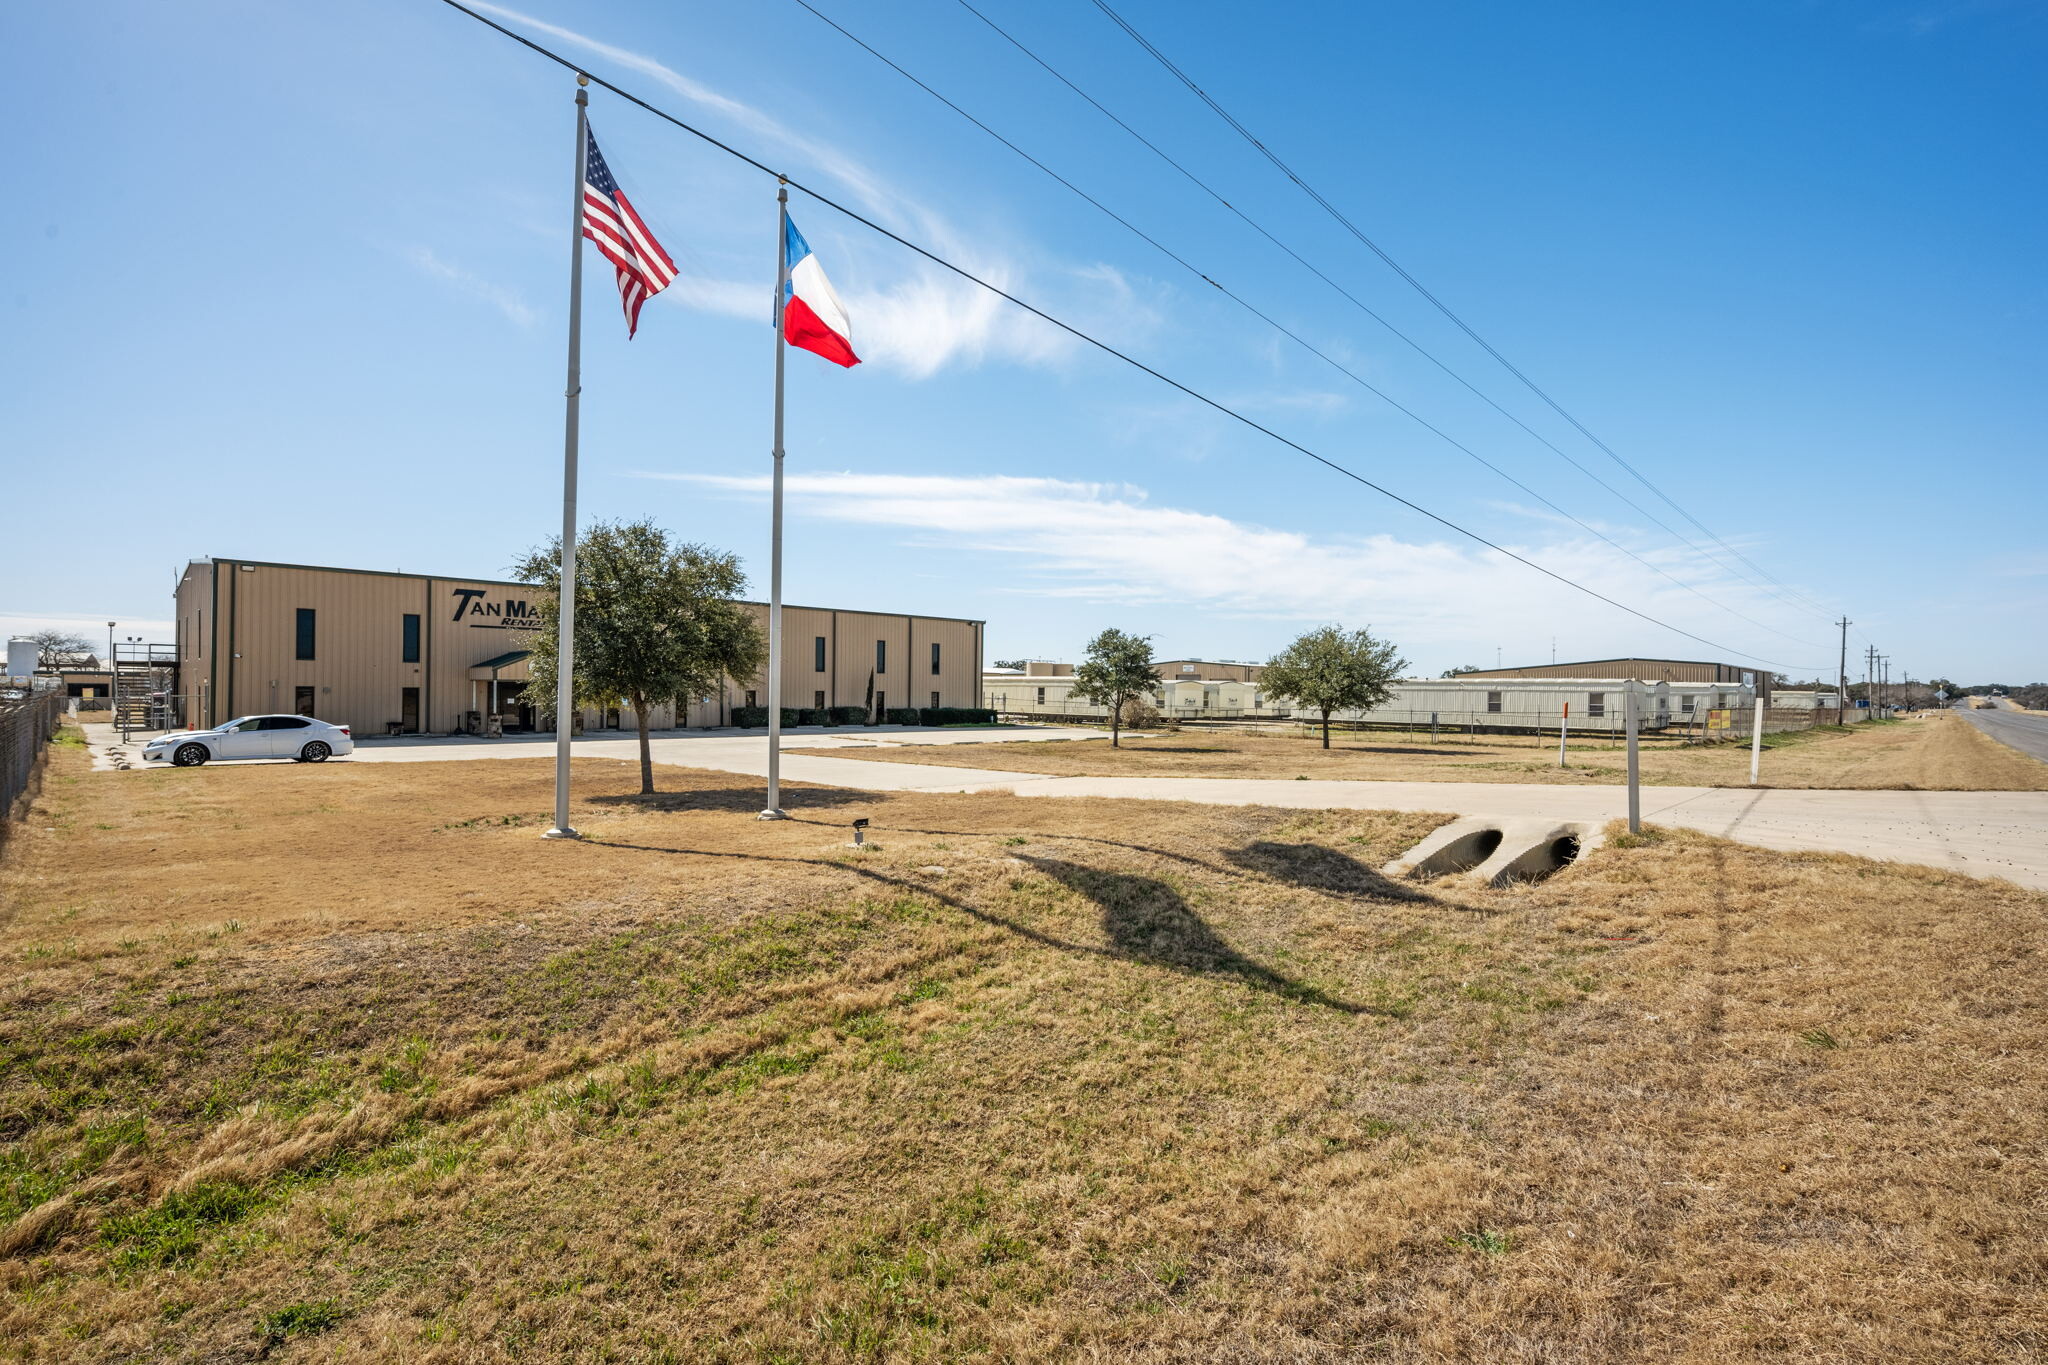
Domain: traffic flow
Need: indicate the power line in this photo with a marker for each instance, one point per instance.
(1351, 298)
(1091, 340)
(1417, 285)
(1277, 326)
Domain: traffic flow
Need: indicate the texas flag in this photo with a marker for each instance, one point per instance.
(812, 315)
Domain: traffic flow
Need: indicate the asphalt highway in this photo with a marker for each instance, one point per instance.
(2019, 729)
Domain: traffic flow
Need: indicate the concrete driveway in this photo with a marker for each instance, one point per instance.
(1983, 834)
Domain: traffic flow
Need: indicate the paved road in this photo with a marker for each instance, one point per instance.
(2020, 729)
(1985, 834)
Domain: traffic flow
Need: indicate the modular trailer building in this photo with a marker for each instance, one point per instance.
(1583, 705)
(420, 653)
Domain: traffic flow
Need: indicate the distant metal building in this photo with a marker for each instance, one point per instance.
(1676, 671)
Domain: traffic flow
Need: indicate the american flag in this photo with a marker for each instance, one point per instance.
(609, 220)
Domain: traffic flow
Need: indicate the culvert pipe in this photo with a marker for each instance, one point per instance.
(1498, 852)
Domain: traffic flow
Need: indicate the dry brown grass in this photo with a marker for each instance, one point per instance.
(1032, 1080)
(1938, 753)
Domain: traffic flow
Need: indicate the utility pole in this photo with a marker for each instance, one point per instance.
(1842, 672)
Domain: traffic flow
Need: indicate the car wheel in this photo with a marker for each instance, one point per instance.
(190, 755)
(316, 752)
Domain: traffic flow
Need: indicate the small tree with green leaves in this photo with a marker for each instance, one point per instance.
(1117, 669)
(1331, 669)
(655, 620)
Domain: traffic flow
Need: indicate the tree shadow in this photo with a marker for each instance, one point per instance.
(742, 800)
(1399, 749)
(904, 884)
(1148, 921)
(1187, 858)
(1319, 868)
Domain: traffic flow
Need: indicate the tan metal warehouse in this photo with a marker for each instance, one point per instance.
(1648, 670)
(372, 650)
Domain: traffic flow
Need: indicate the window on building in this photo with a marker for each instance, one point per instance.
(935, 701)
(1686, 703)
(305, 632)
(1596, 703)
(1041, 696)
(881, 656)
(935, 662)
(818, 657)
(302, 700)
(412, 637)
(750, 699)
(1493, 703)
(817, 701)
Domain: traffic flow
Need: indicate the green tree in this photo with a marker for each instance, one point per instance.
(1460, 671)
(655, 621)
(1118, 668)
(1331, 669)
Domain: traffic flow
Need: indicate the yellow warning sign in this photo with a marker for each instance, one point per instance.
(1718, 720)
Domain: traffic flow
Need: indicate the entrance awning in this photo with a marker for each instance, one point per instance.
(511, 667)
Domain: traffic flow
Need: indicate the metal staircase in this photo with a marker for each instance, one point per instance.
(145, 687)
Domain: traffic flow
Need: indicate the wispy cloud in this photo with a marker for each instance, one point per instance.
(2022, 564)
(506, 300)
(93, 627)
(1923, 19)
(926, 319)
(1109, 543)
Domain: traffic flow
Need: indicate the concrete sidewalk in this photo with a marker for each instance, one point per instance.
(731, 751)
(1983, 834)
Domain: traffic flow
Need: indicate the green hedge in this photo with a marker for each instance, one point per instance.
(811, 715)
(754, 717)
(901, 715)
(955, 715)
(847, 715)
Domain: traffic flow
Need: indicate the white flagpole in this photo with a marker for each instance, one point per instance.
(565, 609)
(773, 810)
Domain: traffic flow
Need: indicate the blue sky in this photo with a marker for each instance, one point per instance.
(289, 282)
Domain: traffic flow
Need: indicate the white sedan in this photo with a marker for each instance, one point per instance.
(299, 738)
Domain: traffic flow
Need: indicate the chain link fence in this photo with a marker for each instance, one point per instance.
(27, 723)
(1608, 726)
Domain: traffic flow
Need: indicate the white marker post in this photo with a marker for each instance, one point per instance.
(1563, 723)
(1756, 738)
(1635, 773)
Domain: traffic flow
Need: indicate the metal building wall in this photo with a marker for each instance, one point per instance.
(237, 631)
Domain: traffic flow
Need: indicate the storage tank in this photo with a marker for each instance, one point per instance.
(22, 657)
